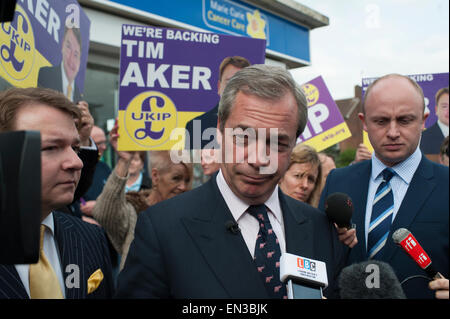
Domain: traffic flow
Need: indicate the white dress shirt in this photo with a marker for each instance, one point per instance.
(443, 127)
(399, 182)
(52, 254)
(247, 223)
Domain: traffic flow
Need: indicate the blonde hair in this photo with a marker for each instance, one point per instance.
(161, 161)
(302, 154)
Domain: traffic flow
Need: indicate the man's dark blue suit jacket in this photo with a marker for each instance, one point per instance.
(424, 211)
(182, 248)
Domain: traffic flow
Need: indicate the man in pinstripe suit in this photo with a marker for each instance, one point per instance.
(76, 251)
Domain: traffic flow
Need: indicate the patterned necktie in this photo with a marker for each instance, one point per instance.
(42, 277)
(381, 219)
(69, 91)
(267, 254)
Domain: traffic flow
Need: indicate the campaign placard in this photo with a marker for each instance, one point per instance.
(169, 77)
(325, 126)
(47, 45)
(430, 84)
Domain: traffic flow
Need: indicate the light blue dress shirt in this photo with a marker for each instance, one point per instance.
(399, 182)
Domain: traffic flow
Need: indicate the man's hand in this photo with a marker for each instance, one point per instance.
(124, 157)
(86, 125)
(87, 207)
(347, 236)
(441, 288)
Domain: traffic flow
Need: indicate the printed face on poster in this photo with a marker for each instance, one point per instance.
(167, 78)
(325, 126)
(47, 45)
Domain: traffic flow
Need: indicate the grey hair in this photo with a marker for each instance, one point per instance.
(162, 160)
(263, 81)
(159, 160)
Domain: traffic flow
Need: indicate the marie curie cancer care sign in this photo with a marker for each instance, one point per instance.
(167, 78)
(325, 126)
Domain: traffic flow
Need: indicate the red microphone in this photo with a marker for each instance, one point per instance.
(409, 243)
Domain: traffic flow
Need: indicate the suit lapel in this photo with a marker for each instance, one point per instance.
(58, 78)
(359, 187)
(297, 230)
(226, 254)
(10, 283)
(422, 184)
(71, 253)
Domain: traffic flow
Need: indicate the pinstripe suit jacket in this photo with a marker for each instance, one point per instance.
(80, 244)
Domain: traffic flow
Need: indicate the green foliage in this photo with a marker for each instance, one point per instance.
(345, 157)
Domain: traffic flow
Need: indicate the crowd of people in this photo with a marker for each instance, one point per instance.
(128, 228)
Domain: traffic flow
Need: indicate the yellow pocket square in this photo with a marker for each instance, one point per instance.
(94, 281)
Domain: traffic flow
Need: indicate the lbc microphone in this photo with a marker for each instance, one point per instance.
(305, 277)
(339, 209)
(371, 279)
(409, 243)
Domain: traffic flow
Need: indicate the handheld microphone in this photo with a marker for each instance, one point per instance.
(411, 246)
(305, 277)
(371, 279)
(232, 227)
(339, 209)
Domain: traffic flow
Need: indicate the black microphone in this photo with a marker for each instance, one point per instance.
(232, 227)
(339, 209)
(371, 279)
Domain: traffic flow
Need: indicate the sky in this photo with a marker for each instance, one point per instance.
(371, 38)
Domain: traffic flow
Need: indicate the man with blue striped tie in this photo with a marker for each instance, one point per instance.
(398, 187)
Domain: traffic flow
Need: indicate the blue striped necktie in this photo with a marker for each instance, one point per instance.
(381, 219)
(267, 254)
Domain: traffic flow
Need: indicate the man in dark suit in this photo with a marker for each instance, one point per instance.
(433, 136)
(74, 260)
(62, 77)
(224, 239)
(228, 67)
(393, 117)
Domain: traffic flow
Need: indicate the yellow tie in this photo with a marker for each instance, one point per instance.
(43, 281)
(69, 91)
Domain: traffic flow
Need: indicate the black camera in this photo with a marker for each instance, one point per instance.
(20, 196)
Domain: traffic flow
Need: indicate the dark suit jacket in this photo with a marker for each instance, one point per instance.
(80, 244)
(51, 77)
(432, 139)
(90, 160)
(424, 211)
(182, 248)
(207, 120)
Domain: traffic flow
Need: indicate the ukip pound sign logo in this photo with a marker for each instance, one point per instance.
(17, 51)
(150, 118)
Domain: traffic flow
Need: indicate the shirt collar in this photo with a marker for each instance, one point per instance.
(405, 169)
(65, 80)
(136, 186)
(49, 223)
(443, 127)
(238, 207)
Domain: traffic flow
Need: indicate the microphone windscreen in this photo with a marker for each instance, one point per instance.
(399, 235)
(371, 279)
(339, 209)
